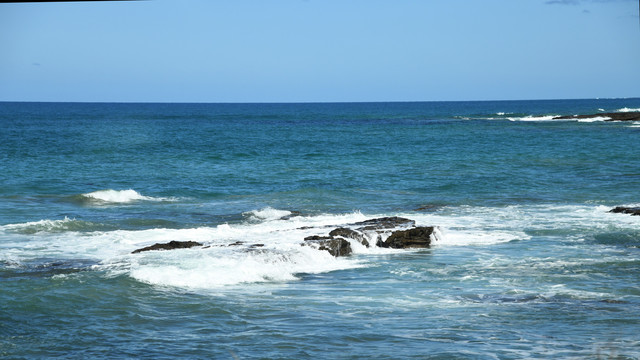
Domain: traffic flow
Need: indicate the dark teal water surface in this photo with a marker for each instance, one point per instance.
(530, 263)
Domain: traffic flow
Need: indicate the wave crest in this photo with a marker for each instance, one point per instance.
(218, 267)
(532, 118)
(626, 109)
(119, 196)
(267, 214)
(595, 119)
(51, 226)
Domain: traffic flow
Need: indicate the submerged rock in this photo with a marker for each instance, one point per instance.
(418, 237)
(169, 246)
(617, 116)
(626, 210)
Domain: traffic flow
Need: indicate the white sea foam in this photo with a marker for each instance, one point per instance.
(532, 118)
(121, 196)
(215, 267)
(595, 119)
(635, 124)
(272, 251)
(470, 227)
(269, 251)
(626, 109)
(481, 226)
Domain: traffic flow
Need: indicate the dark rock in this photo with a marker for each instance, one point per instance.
(404, 234)
(169, 246)
(626, 210)
(336, 243)
(617, 116)
(384, 223)
(237, 243)
(349, 234)
(335, 246)
(379, 242)
(419, 237)
(317, 237)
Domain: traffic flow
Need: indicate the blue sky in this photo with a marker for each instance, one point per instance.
(319, 50)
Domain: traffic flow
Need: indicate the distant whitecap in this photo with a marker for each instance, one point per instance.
(595, 119)
(626, 109)
(532, 118)
(121, 196)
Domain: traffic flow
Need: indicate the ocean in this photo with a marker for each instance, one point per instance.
(528, 262)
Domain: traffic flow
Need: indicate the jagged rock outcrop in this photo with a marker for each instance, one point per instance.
(617, 116)
(418, 237)
(402, 234)
(335, 246)
(384, 223)
(349, 234)
(168, 246)
(626, 210)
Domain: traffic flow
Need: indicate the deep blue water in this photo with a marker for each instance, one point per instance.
(529, 262)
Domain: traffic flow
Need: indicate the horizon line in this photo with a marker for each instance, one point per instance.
(307, 102)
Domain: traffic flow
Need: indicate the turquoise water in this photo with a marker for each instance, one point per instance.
(528, 263)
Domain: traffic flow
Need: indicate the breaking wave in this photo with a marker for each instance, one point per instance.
(532, 118)
(267, 213)
(120, 197)
(272, 250)
(626, 109)
(595, 119)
